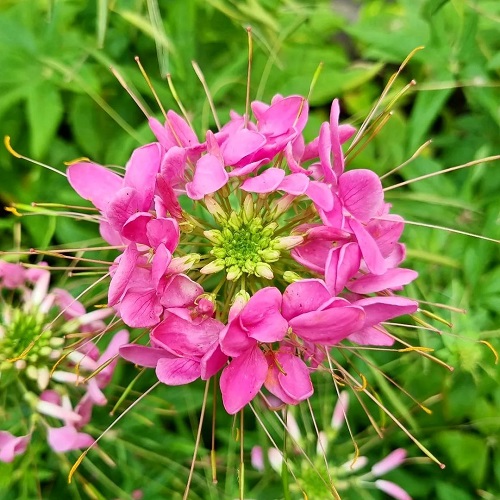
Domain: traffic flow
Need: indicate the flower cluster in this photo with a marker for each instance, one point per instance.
(252, 252)
(347, 475)
(31, 342)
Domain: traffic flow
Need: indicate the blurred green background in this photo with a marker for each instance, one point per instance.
(59, 101)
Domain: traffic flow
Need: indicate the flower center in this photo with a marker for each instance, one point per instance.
(18, 331)
(244, 246)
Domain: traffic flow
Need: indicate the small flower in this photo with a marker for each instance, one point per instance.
(31, 342)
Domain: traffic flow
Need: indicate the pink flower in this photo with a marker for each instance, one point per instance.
(391, 461)
(288, 377)
(67, 438)
(184, 348)
(118, 198)
(316, 316)
(11, 446)
(260, 321)
(392, 489)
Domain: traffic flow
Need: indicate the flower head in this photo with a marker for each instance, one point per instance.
(295, 253)
(33, 323)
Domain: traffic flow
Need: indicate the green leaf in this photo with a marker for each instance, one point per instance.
(467, 453)
(102, 22)
(431, 7)
(45, 112)
(447, 491)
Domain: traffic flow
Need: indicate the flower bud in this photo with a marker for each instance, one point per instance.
(279, 207)
(248, 208)
(213, 267)
(215, 209)
(287, 242)
(291, 277)
(214, 236)
(234, 221)
(270, 255)
(263, 270)
(233, 273)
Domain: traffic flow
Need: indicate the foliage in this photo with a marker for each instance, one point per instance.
(58, 101)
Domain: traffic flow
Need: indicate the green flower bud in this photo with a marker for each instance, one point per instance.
(213, 267)
(263, 270)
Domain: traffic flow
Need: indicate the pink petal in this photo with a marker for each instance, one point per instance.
(11, 445)
(164, 231)
(392, 489)
(241, 144)
(386, 233)
(391, 279)
(168, 197)
(136, 226)
(321, 195)
(143, 356)
(70, 307)
(312, 254)
(94, 183)
(329, 326)
(140, 308)
(248, 168)
(369, 249)
(242, 379)
(295, 381)
(338, 155)
(186, 338)
(119, 338)
(361, 193)
(67, 438)
(266, 182)
(209, 176)
(380, 309)
(346, 132)
(391, 461)
(292, 162)
(280, 117)
(180, 291)
(234, 340)
(257, 458)
(160, 133)
(294, 184)
(161, 261)
(120, 280)
(262, 318)
(109, 234)
(304, 296)
(342, 264)
(141, 172)
(126, 202)
(325, 152)
(173, 165)
(212, 362)
(340, 410)
(177, 371)
(372, 335)
(179, 130)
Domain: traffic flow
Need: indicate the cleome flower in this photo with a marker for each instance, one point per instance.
(33, 323)
(252, 252)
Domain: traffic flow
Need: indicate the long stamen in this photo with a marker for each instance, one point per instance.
(198, 440)
(135, 98)
(201, 77)
(409, 160)
(13, 152)
(249, 75)
(84, 454)
(440, 172)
